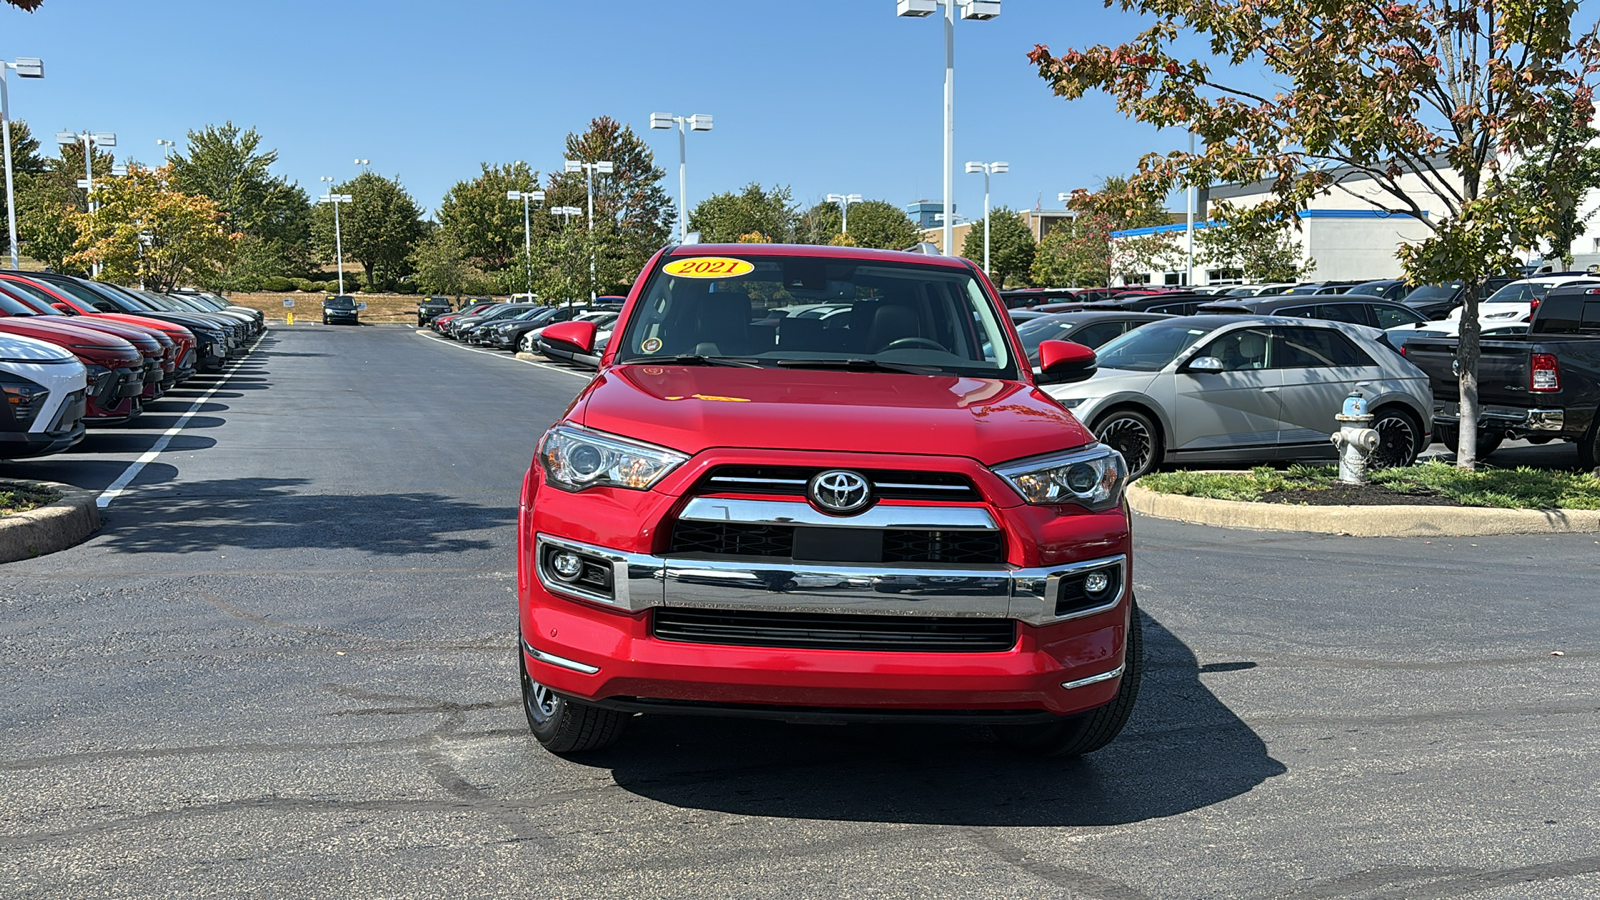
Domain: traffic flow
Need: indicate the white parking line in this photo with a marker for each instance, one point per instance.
(115, 490)
(527, 362)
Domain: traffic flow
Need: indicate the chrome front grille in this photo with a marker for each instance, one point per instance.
(790, 481)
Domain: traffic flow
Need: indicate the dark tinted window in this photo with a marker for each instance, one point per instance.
(1244, 348)
(1298, 312)
(1309, 348)
(1354, 313)
(1097, 334)
(1391, 316)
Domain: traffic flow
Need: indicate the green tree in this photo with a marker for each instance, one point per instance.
(229, 166)
(1134, 257)
(877, 224)
(630, 199)
(482, 222)
(142, 231)
(565, 254)
(47, 198)
(1421, 101)
(1560, 173)
(1075, 253)
(25, 162)
(727, 217)
(441, 266)
(1264, 251)
(1011, 250)
(378, 227)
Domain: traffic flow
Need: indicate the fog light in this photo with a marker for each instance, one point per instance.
(1096, 583)
(567, 565)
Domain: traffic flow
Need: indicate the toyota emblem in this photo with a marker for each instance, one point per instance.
(839, 491)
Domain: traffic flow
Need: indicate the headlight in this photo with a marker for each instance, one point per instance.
(1093, 477)
(577, 458)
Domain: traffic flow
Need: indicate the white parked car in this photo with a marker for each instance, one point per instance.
(45, 389)
(1516, 301)
(1228, 388)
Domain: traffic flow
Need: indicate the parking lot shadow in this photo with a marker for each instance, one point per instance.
(1183, 750)
(268, 513)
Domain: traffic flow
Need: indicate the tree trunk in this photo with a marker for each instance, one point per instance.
(1467, 363)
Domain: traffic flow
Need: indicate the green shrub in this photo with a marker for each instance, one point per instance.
(277, 284)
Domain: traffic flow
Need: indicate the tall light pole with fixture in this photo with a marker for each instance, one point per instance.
(697, 122)
(844, 201)
(566, 213)
(90, 140)
(604, 167)
(26, 68)
(166, 148)
(981, 10)
(338, 241)
(364, 163)
(990, 168)
(527, 227)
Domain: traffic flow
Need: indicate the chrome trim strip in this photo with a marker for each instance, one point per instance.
(923, 487)
(735, 479)
(561, 661)
(642, 581)
(788, 512)
(1095, 679)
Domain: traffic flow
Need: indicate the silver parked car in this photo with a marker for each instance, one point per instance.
(1247, 388)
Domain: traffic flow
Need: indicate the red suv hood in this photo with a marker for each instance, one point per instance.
(692, 408)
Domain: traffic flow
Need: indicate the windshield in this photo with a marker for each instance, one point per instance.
(339, 303)
(12, 306)
(1430, 292)
(1151, 347)
(1046, 328)
(873, 315)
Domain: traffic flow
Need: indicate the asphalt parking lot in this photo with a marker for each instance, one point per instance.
(285, 668)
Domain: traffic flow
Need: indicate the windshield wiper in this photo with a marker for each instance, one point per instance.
(692, 359)
(860, 362)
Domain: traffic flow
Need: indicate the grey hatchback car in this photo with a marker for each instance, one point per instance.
(1221, 388)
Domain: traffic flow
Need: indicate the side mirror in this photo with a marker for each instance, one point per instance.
(578, 336)
(1204, 364)
(64, 309)
(1063, 362)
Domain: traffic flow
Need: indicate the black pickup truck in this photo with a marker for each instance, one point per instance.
(1542, 386)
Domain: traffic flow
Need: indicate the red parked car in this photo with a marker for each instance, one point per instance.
(157, 349)
(50, 299)
(116, 368)
(878, 516)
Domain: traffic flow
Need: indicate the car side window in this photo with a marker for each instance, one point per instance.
(1354, 313)
(1299, 312)
(1393, 316)
(1240, 350)
(1097, 334)
(1310, 348)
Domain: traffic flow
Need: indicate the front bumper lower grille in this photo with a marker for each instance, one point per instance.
(821, 631)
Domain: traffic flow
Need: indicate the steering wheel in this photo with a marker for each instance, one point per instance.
(928, 343)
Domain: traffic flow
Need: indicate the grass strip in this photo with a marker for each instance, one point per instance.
(16, 497)
(1519, 488)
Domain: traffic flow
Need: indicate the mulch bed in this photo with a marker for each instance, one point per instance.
(1357, 495)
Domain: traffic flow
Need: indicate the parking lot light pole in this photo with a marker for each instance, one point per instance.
(991, 168)
(26, 68)
(338, 242)
(981, 10)
(697, 122)
(604, 167)
(844, 201)
(166, 148)
(90, 140)
(527, 228)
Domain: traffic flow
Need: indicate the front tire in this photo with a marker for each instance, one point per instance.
(1092, 730)
(1399, 439)
(1488, 441)
(1134, 435)
(562, 725)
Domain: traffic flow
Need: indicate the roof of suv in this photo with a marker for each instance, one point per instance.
(819, 251)
(1269, 304)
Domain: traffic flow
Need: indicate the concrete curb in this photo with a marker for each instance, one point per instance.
(1364, 521)
(49, 528)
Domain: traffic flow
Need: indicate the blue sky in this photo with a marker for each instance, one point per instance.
(824, 96)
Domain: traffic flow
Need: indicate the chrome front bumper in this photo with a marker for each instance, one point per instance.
(641, 581)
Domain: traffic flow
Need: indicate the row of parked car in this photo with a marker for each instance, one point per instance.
(518, 325)
(76, 353)
(1269, 374)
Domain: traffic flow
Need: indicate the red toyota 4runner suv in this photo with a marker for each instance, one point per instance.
(820, 483)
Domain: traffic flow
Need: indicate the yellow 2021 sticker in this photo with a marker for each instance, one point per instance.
(709, 267)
